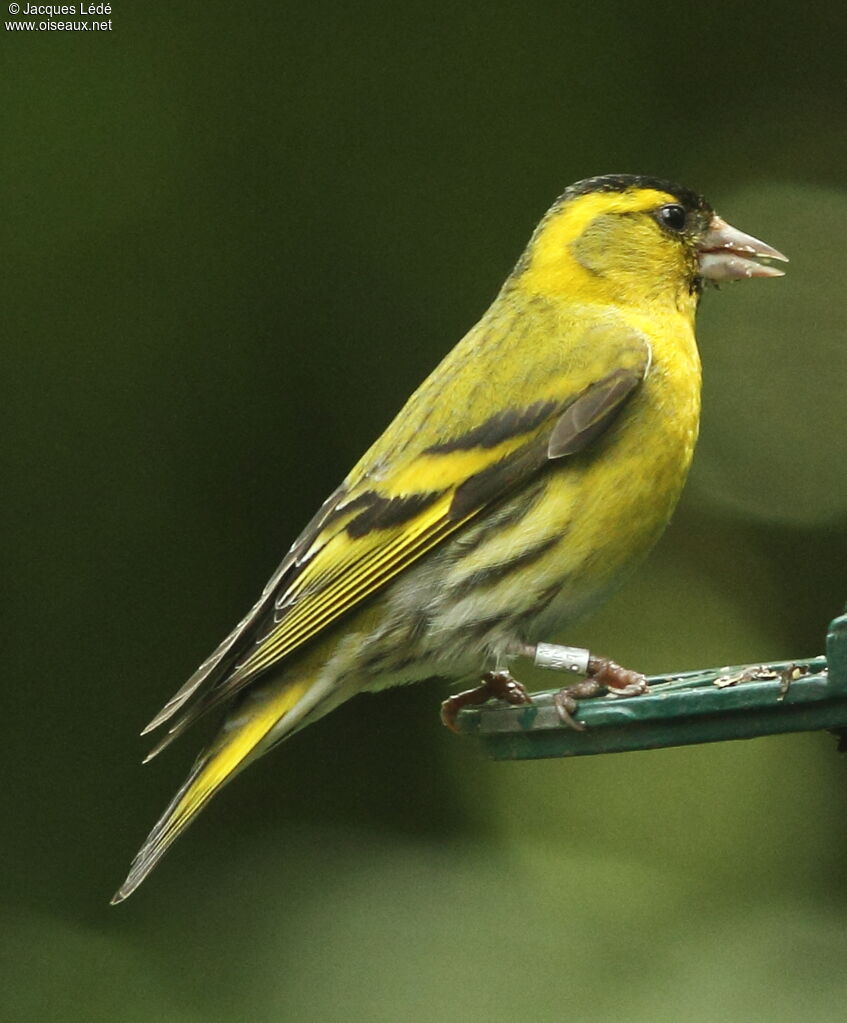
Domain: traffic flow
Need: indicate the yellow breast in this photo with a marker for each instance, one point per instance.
(615, 503)
(603, 509)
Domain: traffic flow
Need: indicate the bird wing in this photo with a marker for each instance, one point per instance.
(391, 511)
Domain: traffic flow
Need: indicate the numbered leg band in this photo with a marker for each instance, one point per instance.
(562, 658)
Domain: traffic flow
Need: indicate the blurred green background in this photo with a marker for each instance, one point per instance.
(235, 237)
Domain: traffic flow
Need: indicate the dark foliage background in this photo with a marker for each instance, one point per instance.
(234, 238)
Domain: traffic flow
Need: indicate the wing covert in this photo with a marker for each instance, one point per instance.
(382, 520)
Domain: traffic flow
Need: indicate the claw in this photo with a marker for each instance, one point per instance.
(604, 678)
(565, 701)
(498, 685)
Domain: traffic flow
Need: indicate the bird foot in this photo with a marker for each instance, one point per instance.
(605, 678)
(495, 685)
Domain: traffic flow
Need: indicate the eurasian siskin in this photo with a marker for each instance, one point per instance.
(538, 462)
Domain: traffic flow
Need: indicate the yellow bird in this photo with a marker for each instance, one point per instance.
(527, 474)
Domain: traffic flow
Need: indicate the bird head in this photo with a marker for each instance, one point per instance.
(628, 239)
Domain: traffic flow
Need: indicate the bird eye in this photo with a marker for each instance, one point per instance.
(672, 216)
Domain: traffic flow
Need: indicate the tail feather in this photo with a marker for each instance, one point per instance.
(237, 741)
(207, 702)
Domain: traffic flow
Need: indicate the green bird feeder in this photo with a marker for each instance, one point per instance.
(738, 702)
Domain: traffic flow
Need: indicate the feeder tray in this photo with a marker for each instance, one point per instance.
(712, 705)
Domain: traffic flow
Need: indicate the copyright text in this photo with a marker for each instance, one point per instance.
(93, 15)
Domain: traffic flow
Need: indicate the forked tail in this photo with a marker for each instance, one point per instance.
(231, 749)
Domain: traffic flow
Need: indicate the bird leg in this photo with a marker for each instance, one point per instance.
(497, 685)
(603, 677)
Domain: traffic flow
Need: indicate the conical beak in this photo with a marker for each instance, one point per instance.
(727, 254)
